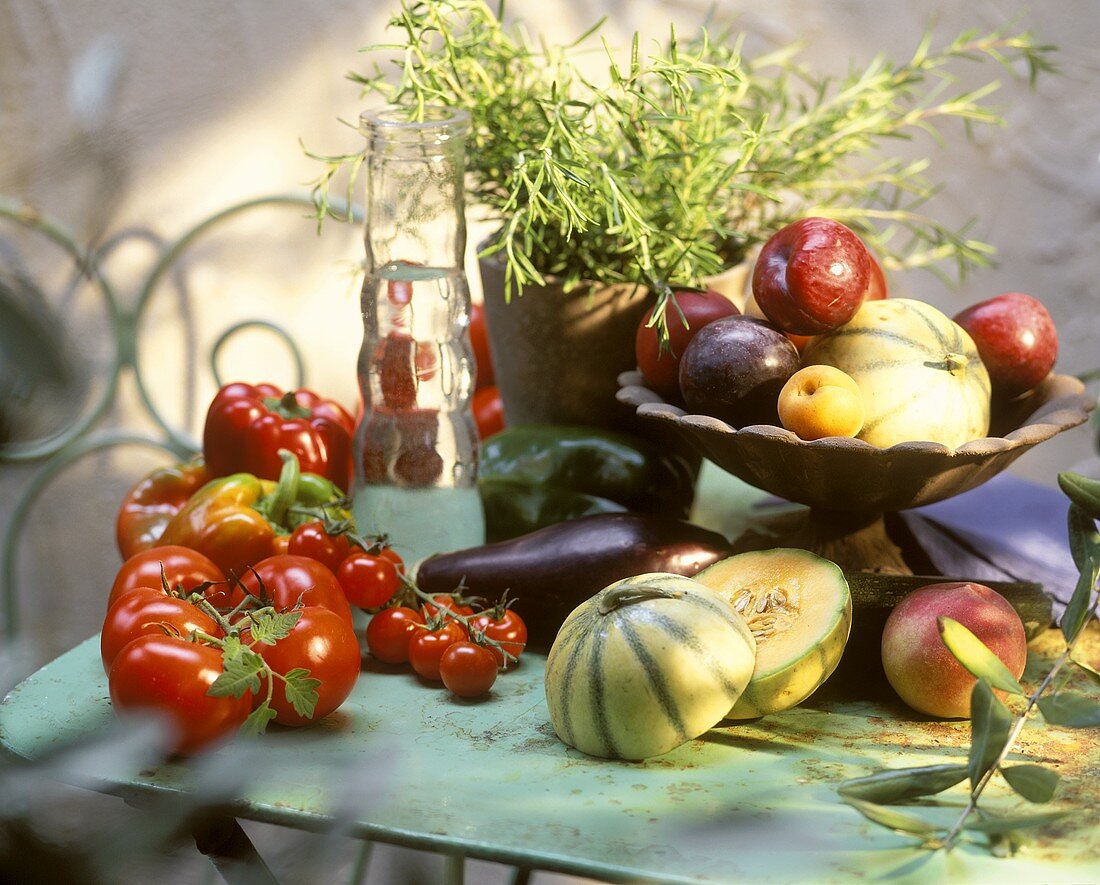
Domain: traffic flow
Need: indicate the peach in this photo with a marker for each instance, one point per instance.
(821, 401)
(919, 666)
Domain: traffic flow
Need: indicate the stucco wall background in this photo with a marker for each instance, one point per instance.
(143, 116)
(124, 115)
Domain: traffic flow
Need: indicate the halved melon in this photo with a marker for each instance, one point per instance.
(799, 610)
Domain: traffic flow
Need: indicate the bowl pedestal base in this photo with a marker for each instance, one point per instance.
(857, 542)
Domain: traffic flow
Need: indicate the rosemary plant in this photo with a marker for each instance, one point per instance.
(682, 158)
(994, 728)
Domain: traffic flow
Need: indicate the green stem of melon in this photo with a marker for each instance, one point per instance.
(628, 594)
(956, 363)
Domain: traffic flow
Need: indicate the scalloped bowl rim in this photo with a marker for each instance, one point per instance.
(1069, 409)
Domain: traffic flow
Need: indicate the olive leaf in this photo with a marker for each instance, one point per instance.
(270, 627)
(301, 691)
(1077, 609)
(1082, 491)
(242, 673)
(1071, 709)
(897, 821)
(257, 720)
(1092, 672)
(1014, 822)
(1084, 539)
(990, 724)
(898, 784)
(973, 654)
(1034, 782)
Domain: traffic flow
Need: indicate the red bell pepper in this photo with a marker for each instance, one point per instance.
(247, 424)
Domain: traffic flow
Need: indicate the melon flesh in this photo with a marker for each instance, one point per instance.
(798, 609)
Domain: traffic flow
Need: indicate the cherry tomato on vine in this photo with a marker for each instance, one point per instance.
(468, 670)
(321, 643)
(446, 600)
(289, 580)
(426, 648)
(507, 628)
(369, 579)
(182, 565)
(170, 677)
(313, 541)
(389, 631)
(141, 611)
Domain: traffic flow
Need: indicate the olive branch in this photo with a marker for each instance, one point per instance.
(994, 729)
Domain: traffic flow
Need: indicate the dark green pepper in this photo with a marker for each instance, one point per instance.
(615, 466)
(515, 508)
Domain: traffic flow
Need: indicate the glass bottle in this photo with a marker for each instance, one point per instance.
(416, 444)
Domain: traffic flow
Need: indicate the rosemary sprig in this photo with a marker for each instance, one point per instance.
(681, 157)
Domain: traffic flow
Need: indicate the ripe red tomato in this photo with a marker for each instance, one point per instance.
(467, 669)
(369, 580)
(313, 541)
(507, 628)
(661, 368)
(389, 631)
(290, 580)
(182, 565)
(323, 644)
(170, 677)
(426, 647)
(488, 411)
(479, 338)
(141, 611)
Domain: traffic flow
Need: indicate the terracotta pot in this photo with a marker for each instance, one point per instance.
(557, 355)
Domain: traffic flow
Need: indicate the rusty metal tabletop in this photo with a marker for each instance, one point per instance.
(745, 803)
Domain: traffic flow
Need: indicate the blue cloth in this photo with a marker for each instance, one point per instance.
(1006, 529)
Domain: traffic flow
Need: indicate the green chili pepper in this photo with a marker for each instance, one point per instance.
(615, 466)
(515, 508)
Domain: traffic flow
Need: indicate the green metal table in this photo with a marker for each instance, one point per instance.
(746, 803)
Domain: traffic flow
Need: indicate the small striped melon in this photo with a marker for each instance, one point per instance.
(645, 665)
(799, 610)
(919, 372)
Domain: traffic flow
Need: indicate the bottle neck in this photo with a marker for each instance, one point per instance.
(415, 195)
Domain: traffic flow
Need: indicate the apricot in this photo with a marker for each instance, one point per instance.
(919, 666)
(820, 401)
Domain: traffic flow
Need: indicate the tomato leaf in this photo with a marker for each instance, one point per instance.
(241, 674)
(898, 784)
(1082, 491)
(1014, 822)
(1084, 539)
(1077, 609)
(301, 691)
(990, 723)
(973, 654)
(270, 627)
(1071, 709)
(1034, 782)
(257, 720)
(231, 649)
(897, 821)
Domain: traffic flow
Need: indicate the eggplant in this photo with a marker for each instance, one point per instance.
(551, 571)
